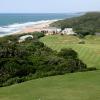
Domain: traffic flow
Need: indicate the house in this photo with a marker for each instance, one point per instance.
(68, 31)
(54, 30)
(23, 38)
(51, 30)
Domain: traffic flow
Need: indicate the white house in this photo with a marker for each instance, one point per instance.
(54, 30)
(51, 30)
(23, 38)
(68, 31)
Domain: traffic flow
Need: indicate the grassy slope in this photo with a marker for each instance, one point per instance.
(77, 86)
(88, 52)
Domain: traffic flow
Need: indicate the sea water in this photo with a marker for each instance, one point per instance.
(10, 23)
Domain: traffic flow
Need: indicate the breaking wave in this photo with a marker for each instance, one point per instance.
(17, 27)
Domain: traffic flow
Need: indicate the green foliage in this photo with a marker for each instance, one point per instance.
(81, 42)
(31, 59)
(68, 54)
(38, 35)
(84, 25)
(74, 64)
(89, 52)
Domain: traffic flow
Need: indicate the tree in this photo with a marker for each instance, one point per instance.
(68, 54)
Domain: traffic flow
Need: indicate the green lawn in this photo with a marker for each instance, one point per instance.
(77, 86)
(89, 52)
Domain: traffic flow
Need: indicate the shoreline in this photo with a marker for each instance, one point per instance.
(37, 27)
(29, 27)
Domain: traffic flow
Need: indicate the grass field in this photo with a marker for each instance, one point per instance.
(77, 86)
(89, 52)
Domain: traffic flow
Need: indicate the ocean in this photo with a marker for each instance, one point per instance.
(10, 23)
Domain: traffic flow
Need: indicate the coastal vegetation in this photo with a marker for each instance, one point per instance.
(88, 24)
(87, 51)
(72, 86)
(32, 59)
(52, 55)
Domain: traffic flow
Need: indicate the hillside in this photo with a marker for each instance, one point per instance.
(85, 24)
(31, 59)
(77, 86)
(89, 52)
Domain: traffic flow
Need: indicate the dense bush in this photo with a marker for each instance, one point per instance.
(68, 54)
(74, 64)
(31, 59)
(83, 25)
(81, 42)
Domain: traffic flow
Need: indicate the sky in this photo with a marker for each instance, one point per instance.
(48, 6)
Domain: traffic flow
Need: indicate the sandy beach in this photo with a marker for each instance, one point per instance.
(28, 27)
(36, 28)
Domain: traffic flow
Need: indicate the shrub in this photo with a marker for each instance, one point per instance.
(81, 42)
(68, 54)
(37, 35)
(91, 69)
(76, 65)
(32, 59)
